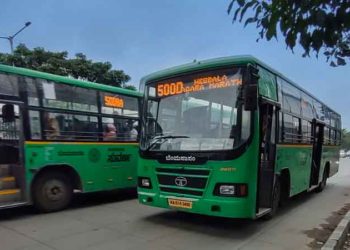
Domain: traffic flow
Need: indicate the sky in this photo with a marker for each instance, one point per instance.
(141, 37)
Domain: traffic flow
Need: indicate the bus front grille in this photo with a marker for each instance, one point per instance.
(182, 181)
(181, 191)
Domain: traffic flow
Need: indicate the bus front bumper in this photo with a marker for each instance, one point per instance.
(222, 207)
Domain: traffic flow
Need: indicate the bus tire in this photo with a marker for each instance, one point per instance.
(285, 188)
(276, 198)
(52, 191)
(321, 186)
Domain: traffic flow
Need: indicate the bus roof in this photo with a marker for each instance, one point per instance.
(217, 63)
(67, 80)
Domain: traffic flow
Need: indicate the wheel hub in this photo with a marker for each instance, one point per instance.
(54, 190)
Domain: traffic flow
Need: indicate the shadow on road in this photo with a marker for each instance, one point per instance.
(101, 198)
(225, 227)
(201, 224)
(79, 201)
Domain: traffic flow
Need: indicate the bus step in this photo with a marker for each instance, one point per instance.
(262, 212)
(7, 182)
(12, 204)
(9, 195)
(4, 170)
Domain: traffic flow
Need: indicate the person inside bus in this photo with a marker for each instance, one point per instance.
(52, 128)
(133, 133)
(110, 133)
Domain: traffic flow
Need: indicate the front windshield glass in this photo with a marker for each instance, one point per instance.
(198, 112)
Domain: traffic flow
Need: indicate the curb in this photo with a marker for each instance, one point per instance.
(337, 238)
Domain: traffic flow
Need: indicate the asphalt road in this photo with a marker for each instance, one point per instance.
(116, 221)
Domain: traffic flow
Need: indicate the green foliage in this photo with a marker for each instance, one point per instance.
(345, 140)
(316, 25)
(58, 63)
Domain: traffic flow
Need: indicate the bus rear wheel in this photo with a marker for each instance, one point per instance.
(323, 183)
(52, 192)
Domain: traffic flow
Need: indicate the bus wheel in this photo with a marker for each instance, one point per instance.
(52, 191)
(323, 183)
(276, 197)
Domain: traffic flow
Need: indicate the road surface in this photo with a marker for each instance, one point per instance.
(116, 221)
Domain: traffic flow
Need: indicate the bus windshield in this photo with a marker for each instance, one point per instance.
(197, 112)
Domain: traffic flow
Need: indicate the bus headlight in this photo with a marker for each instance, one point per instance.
(231, 190)
(227, 190)
(144, 182)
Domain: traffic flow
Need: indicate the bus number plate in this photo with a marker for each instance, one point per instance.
(180, 203)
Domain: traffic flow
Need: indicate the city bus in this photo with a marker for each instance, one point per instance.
(232, 137)
(60, 135)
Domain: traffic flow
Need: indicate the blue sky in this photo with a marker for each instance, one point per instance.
(141, 37)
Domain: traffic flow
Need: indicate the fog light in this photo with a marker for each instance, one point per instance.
(227, 190)
(144, 182)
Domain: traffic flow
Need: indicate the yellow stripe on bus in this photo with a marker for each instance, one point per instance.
(7, 179)
(80, 143)
(9, 191)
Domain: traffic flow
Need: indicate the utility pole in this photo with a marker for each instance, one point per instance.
(10, 38)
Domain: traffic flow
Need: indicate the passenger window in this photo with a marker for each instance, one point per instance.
(63, 96)
(291, 98)
(333, 137)
(33, 99)
(34, 123)
(118, 129)
(296, 130)
(291, 129)
(288, 128)
(306, 132)
(8, 85)
(307, 107)
(326, 136)
(60, 126)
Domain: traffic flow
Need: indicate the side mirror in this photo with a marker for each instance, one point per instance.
(250, 88)
(234, 131)
(8, 113)
(250, 97)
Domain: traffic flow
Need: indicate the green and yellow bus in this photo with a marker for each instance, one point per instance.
(60, 135)
(232, 137)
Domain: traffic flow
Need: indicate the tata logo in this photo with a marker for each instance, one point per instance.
(180, 181)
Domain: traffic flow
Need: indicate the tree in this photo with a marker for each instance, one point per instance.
(345, 144)
(322, 25)
(58, 63)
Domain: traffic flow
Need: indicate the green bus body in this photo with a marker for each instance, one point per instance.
(81, 151)
(292, 161)
(99, 166)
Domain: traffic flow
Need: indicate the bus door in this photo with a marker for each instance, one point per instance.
(317, 134)
(12, 172)
(268, 113)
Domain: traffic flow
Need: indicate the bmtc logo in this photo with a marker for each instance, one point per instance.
(180, 181)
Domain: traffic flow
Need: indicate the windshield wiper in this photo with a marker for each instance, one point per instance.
(165, 138)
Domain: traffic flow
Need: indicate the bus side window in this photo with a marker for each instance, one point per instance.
(34, 123)
(120, 129)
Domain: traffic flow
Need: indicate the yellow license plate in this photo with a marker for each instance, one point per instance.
(180, 203)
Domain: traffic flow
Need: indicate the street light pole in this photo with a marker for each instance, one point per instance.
(10, 38)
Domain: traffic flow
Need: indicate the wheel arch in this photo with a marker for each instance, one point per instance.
(327, 167)
(285, 182)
